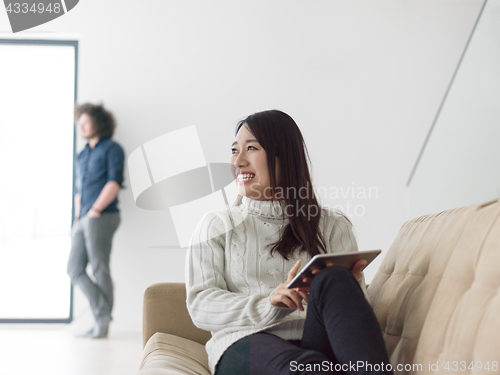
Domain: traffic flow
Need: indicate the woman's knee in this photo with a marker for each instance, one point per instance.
(333, 278)
(331, 273)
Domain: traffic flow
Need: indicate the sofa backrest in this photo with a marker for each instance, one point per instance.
(436, 293)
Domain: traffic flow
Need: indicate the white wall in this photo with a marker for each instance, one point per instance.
(363, 79)
(461, 161)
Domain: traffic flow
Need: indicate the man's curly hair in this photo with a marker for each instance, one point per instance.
(103, 120)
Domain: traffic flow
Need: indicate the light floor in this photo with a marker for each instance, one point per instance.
(39, 349)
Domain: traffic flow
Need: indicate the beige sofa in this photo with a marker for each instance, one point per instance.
(436, 295)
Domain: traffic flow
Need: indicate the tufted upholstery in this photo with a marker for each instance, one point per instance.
(436, 294)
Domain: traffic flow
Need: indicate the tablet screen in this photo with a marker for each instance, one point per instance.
(343, 259)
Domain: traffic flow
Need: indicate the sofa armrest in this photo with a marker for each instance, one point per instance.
(164, 310)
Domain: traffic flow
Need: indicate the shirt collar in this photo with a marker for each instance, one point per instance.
(270, 209)
(101, 140)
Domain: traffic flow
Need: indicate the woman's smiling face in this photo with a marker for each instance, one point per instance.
(250, 161)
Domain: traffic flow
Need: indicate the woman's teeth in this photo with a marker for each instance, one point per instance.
(245, 177)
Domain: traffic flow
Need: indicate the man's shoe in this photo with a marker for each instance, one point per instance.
(87, 333)
(100, 330)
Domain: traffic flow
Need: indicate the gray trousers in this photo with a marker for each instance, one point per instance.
(91, 241)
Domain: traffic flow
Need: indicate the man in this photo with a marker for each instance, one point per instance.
(99, 171)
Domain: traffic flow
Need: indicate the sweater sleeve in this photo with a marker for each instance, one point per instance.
(211, 305)
(342, 240)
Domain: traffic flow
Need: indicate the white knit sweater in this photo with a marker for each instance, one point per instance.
(230, 272)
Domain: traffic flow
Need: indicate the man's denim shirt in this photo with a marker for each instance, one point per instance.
(94, 168)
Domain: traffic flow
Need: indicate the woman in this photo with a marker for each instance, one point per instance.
(237, 273)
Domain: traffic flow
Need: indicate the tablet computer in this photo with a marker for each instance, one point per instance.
(343, 259)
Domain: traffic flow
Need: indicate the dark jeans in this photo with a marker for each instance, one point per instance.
(341, 336)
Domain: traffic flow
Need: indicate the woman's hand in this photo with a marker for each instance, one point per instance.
(356, 272)
(292, 298)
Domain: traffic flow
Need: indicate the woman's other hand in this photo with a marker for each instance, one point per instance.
(292, 298)
(358, 268)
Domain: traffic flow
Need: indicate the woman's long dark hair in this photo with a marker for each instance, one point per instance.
(280, 136)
